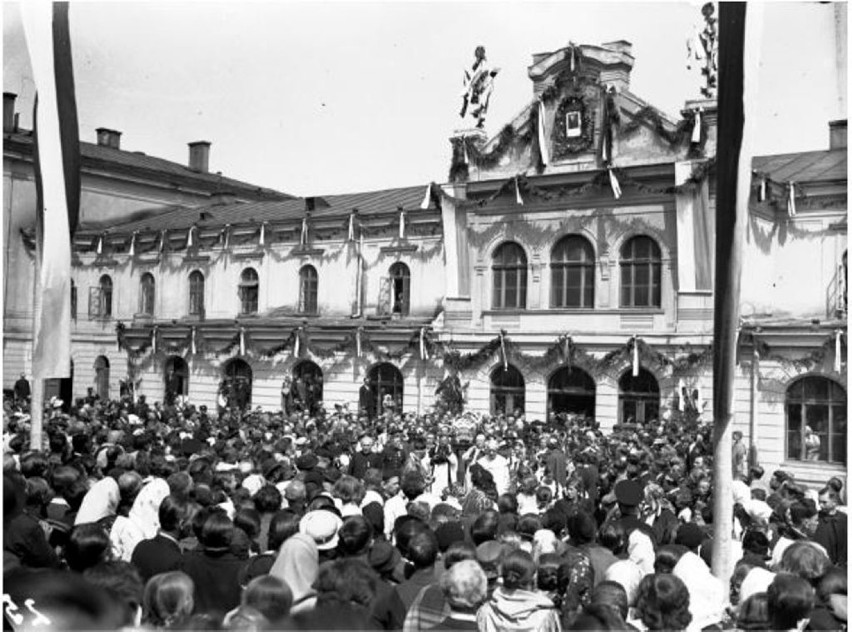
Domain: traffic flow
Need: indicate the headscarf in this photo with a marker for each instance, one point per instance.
(146, 508)
(298, 565)
(99, 502)
(707, 597)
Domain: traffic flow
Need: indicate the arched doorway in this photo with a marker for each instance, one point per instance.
(638, 397)
(571, 390)
(102, 377)
(176, 378)
(386, 383)
(507, 391)
(306, 389)
(235, 389)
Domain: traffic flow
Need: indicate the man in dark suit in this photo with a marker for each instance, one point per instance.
(366, 458)
(162, 553)
(366, 399)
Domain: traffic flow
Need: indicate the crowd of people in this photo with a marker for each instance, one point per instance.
(169, 516)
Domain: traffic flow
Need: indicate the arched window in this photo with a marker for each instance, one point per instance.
(308, 290)
(196, 294)
(507, 391)
(235, 389)
(146, 294)
(638, 397)
(386, 383)
(102, 377)
(571, 390)
(103, 306)
(572, 266)
(641, 270)
(248, 291)
(509, 269)
(400, 278)
(816, 420)
(176, 378)
(306, 388)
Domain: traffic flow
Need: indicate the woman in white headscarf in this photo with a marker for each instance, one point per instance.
(99, 503)
(707, 594)
(298, 565)
(145, 512)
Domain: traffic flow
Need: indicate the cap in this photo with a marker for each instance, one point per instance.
(489, 554)
(383, 557)
(271, 467)
(307, 462)
(628, 493)
(322, 526)
(448, 533)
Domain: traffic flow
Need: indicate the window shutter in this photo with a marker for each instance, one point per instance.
(95, 308)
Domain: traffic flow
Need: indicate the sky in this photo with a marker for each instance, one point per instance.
(315, 98)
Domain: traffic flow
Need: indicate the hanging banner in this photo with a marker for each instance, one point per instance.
(358, 342)
(132, 251)
(100, 249)
(303, 238)
(696, 126)
(838, 351)
(427, 197)
(464, 150)
(613, 182)
(503, 352)
(424, 354)
(227, 235)
(351, 235)
(242, 341)
(791, 199)
(154, 332)
(542, 135)
(189, 240)
(401, 224)
(192, 342)
(297, 343)
(262, 239)
(162, 241)
(518, 199)
(635, 356)
(761, 192)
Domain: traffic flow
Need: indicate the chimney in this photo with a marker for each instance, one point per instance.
(108, 138)
(9, 112)
(837, 134)
(199, 156)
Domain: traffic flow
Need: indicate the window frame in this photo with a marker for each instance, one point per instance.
(147, 294)
(396, 382)
(514, 395)
(632, 265)
(836, 399)
(641, 399)
(399, 272)
(308, 290)
(559, 273)
(196, 295)
(249, 292)
(504, 269)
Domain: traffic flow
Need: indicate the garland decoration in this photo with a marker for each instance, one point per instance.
(809, 361)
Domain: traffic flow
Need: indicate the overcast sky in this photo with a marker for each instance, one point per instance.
(321, 97)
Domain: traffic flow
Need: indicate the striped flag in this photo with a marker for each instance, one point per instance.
(57, 171)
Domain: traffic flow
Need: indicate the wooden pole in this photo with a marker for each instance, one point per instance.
(37, 391)
(733, 160)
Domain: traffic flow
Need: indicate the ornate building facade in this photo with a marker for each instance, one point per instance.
(565, 268)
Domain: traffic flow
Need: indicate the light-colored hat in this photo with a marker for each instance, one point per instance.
(757, 580)
(322, 526)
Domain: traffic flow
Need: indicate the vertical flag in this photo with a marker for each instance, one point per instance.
(351, 234)
(464, 150)
(542, 134)
(427, 197)
(132, 251)
(401, 223)
(262, 239)
(518, 199)
(57, 170)
(503, 351)
(303, 238)
(838, 352)
(635, 356)
(297, 342)
(227, 236)
(242, 341)
(424, 354)
(613, 182)
(696, 127)
(100, 248)
(193, 347)
(761, 193)
(358, 342)
(154, 333)
(189, 241)
(791, 199)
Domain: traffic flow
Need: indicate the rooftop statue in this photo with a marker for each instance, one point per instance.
(478, 85)
(703, 47)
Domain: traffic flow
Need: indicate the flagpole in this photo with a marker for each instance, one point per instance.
(737, 83)
(37, 391)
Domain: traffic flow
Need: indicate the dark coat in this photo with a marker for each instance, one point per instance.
(831, 534)
(362, 462)
(215, 574)
(24, 538)
(366, 400)
(157, 555)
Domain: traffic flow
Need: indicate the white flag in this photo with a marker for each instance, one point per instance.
(542, 135)
(696, 127)
(351, 235)
(613, 182)
(791, 199)
(427, 197)
(518, 199)
(401, 224)
(132, 250)
(303, 239)
(262, 240)
(635, 356)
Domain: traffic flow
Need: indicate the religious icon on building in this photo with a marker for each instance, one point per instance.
(478, 85)
(573, 124)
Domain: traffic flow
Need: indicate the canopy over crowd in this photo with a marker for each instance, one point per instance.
(172, 516)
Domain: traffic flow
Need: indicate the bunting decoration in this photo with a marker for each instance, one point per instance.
(542, 134)
(262, 239)
(635, 356)
(401, 223)
(503, 351)
(791, 199)
(838, 352)
(424, 353)
(132, 251)
(518, 199)
(696, 126)
(427, 197)
(614, 184)
(242, 341)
